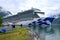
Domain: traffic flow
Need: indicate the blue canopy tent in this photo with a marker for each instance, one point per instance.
(3, 31)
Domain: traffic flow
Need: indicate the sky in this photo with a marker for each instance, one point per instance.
(50, 7)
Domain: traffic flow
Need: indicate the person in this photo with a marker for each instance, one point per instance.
(13, 26)
(21, 25)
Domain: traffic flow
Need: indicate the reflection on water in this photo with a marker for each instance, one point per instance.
(56, 33)
(46, 34)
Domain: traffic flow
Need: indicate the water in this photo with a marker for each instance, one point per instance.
(54, 34)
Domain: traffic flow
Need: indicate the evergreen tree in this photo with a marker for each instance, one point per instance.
(1, 21)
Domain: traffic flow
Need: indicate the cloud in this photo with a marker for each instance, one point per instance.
(15, 6)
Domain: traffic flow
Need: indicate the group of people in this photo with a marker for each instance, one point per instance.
(4, 30)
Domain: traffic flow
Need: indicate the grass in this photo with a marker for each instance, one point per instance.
(18, 34)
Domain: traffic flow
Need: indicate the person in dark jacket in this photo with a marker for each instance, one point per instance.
(21, 25)
(13, 26)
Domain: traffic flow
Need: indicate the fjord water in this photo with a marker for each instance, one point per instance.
(54, 34)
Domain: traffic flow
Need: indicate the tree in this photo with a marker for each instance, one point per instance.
(1, 21)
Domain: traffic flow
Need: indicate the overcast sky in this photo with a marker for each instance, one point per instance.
(46, 6)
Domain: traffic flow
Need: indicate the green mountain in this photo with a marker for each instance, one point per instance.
(3, 12)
